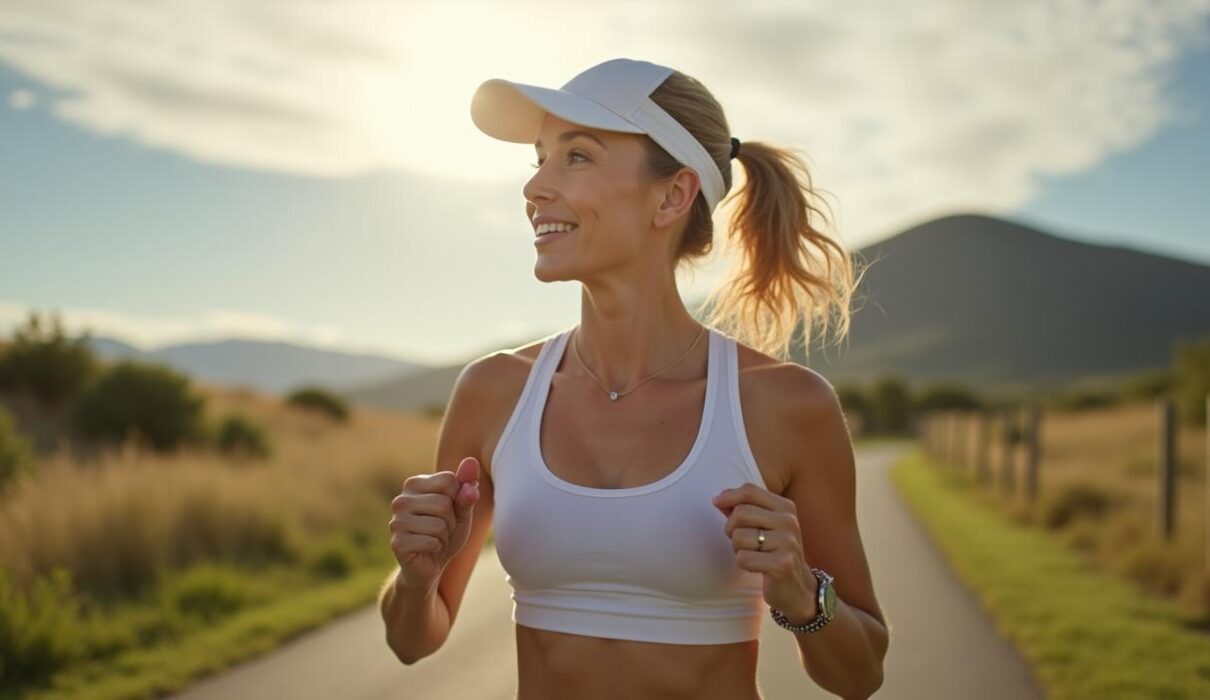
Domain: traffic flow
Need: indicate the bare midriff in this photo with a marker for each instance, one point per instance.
(556, 665)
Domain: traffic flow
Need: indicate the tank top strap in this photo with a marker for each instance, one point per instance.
(538, 374)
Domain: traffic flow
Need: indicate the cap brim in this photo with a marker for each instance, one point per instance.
(512, 111)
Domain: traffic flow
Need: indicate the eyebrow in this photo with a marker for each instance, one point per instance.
(569, 135)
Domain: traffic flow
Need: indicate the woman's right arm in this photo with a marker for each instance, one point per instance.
(419, 604)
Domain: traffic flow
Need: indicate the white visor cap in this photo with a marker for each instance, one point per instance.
(614, 96)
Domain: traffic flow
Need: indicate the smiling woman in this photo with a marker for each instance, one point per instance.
(649, 534)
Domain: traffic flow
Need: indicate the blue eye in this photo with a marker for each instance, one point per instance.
(569, 155)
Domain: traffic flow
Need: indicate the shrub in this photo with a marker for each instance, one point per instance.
(45, 363)
(16, 456)
(1155, 565)
(890, 405)
(944, 396)
(334, 560)
(1147, 385)
(238, 435)
(853, 400)
(1069, 502)
(38, 632)
(152, 401)
(316, 398)
(205, 593)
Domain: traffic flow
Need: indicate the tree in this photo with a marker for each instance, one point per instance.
(45, 362)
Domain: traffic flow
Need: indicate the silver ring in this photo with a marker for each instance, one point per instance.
(760, 539)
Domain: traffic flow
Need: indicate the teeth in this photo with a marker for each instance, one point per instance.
(551, 228)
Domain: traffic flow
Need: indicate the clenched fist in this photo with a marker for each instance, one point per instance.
(430, 521)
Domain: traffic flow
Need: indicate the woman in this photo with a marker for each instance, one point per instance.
(656, 488)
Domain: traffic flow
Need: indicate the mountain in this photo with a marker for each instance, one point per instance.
(273, 367)
(966, 298)
(422, 390)
(985, 300)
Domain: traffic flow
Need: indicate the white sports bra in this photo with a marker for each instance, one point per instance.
(649, 563)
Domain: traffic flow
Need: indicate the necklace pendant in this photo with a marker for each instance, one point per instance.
(613, 396)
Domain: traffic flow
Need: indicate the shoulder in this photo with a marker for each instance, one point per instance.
(494, 374)
(787, 406)
(486, 391)
(785, 392)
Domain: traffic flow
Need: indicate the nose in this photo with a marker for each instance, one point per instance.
(537, 188)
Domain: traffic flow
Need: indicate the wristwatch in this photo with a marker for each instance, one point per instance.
(825, 604)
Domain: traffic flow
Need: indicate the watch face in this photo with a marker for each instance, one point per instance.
(829, 601)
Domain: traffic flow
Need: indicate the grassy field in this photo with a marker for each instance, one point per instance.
(132, 576)
(1088, 634)
(1098, 493)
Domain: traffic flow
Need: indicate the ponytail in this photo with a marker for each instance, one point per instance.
(788, 269)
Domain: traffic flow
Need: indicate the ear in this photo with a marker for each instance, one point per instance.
(677, 196)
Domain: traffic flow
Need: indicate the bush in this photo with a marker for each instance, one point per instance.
(853, 400)
(38, 632)
(1147, 385)
(1157, 566)
(45, 363)
(16, 456)
(151, 401)
(238, 435)
(944, 397)
(316, 398)
(334, 560)
(205, 593)
(1069, 502)
(890, 406)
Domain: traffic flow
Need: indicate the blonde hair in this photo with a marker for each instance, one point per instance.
(788, 268)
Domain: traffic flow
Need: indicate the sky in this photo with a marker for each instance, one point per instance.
(309, 172)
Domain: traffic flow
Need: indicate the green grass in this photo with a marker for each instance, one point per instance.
(278, 604)
(1087, 635)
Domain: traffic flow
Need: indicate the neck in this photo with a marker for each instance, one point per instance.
(625, 339)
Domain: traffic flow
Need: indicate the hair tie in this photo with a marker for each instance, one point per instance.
(734, 147)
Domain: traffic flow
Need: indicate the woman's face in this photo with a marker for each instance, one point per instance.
(593, 178)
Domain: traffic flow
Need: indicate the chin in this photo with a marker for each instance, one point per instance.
(552, 273)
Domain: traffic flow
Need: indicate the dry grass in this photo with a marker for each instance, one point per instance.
(1112, 453)
(119, 522)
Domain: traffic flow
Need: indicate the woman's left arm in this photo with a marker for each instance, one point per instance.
(813, 524)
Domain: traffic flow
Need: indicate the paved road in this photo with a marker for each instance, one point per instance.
(942, 645)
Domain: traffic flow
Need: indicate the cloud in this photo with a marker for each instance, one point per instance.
(21, 99)
(905, 110)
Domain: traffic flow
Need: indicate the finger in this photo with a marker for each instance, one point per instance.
(748, 515)
(727, 499)
(746, 538)
(424, 525)
(404, 543)
(466, 500)
(438, 482)
(468, 469)
(437, 504)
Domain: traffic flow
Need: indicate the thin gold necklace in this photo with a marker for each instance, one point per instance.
(615, 395)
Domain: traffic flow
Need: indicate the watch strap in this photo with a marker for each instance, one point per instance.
(821, 617)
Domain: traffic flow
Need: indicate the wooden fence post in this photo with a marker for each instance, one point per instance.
(1167, 468)
(1007, 482)
(982, 465)
(1034, 452)
(949, 438)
